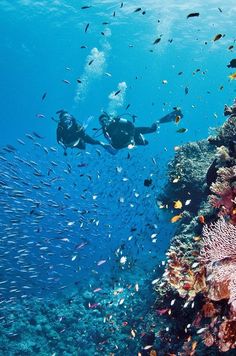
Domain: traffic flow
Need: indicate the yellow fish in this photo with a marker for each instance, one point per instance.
(177, 119)
(178, 204)
(232, 76)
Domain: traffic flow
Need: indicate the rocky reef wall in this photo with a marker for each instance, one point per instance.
(196, 296)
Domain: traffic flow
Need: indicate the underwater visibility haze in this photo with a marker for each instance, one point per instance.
(109, 247)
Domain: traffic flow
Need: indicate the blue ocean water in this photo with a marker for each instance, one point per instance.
(67, 221)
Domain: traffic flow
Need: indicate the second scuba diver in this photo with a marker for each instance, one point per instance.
(72, 134)
(122, 133)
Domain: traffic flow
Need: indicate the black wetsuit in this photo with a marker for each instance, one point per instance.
(121, 133)
(70, 136)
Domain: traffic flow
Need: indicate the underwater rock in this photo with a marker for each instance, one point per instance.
(187, 174)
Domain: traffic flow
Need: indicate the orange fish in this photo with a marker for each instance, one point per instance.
(176, 218)
(153, 353)
(232, 76)
(177, 119)
(194, 345)
(201, 219)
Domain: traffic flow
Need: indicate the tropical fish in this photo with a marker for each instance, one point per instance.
(193, 14)
(97, 290)
(182, 130)
(171, 116)
(176, 218)
(178, 204)
(201, 219)
(37, 135)
(86, 27)
(147, 182)
(101, 262)
(217, 37)
(232, 76)
(157, 41)
(177, 119)
(44, 96)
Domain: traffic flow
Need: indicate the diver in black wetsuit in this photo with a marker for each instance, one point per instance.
(72, 134)
(121, 132)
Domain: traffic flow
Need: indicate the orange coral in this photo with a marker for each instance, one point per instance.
(209, 310)
(227, 335)
(225, 193)
(179, 274)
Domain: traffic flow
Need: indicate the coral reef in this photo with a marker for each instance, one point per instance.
(83, 323)
(187, 174)
(224, 190)
(226, 134)
(197, 292)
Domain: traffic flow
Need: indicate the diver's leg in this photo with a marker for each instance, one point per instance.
(139, 139)
(81, 145)
(146, 130)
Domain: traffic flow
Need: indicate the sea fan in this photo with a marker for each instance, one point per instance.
(219, 254)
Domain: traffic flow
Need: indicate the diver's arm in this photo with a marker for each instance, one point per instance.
(146, 130)
(90, 140)
(107, 147)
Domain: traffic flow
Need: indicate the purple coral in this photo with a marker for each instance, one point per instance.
(219, 242)
(225, 192)
(219, 254)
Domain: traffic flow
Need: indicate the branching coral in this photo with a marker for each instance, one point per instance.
(222, 154)
(183, 277)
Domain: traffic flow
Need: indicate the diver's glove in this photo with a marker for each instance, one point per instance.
(154, 126)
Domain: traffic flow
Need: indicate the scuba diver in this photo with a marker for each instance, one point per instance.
(122, 133)
(72, 134)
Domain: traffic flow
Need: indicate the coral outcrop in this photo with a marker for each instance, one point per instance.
(198, 287)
